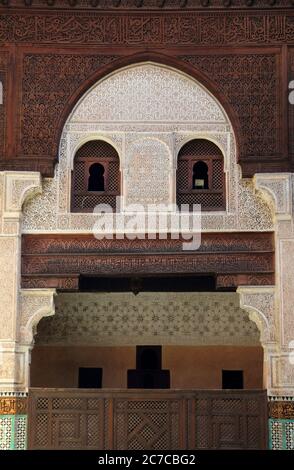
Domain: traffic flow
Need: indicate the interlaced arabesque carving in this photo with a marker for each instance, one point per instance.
(49, 80)
(251, 83)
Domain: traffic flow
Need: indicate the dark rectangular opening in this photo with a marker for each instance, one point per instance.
(136, 284)
(232, 379)
(148, 373)
(90, 377)
(148, 357)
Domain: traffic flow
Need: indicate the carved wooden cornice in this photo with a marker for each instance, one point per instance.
(234, 258)
(117, 5)
(149, 27)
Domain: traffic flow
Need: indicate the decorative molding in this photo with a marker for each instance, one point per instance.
(14, 394)
(34, 305)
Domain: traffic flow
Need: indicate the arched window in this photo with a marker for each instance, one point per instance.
(96, 176)
(200, 175)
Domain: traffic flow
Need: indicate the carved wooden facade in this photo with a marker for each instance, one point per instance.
(49, 58)
(144, 420)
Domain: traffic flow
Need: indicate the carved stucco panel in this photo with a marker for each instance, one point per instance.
(40, 213)
(282, 374)
(137, 89)
(285, 272)
(34, 305)
(201, 118)
(20, 187)
(171, 318)
(278, 188)
(8, 286)
(12, 368)
(260, 302)
(148, 177)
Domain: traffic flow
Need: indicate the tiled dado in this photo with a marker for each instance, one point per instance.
(13, 423)
(281, 424)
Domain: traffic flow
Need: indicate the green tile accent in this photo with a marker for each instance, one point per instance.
(13, 432)
(281, 434)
